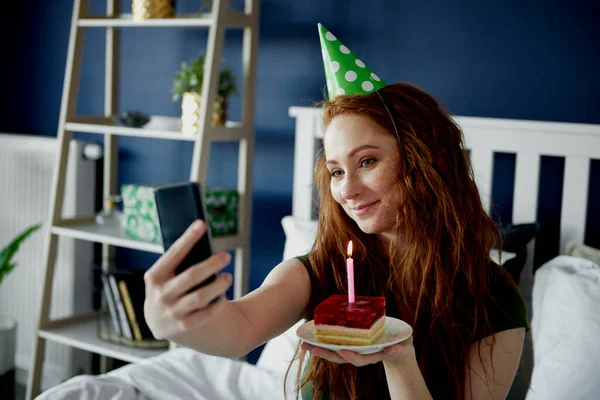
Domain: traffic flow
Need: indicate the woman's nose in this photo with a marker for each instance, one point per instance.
(350, 187)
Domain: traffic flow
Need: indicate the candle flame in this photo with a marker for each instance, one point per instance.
(350, 248)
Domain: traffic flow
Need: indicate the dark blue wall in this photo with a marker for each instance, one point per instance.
(525, 60)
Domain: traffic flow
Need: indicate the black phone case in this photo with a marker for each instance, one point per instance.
(178, 205)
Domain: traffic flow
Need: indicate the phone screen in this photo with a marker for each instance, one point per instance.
(178, 205)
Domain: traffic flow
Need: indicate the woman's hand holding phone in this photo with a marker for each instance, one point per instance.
(170, 308)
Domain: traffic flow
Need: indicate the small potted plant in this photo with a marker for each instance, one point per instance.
(187, 83)
(8, 327)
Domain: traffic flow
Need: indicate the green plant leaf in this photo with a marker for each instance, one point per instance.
(11, 249)
(4, 272)
(189, 79)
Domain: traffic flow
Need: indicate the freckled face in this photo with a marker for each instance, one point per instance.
(363, 160)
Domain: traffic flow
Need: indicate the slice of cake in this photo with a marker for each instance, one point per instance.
(359, 324)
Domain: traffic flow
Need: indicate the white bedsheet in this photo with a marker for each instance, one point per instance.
(179, 374)
(566, 330)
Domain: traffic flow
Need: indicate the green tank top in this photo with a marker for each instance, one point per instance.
(508, 311)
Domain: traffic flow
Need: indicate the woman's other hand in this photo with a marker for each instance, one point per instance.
(169, 309)
(395, 354)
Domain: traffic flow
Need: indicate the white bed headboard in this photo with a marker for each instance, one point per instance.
(529, 140)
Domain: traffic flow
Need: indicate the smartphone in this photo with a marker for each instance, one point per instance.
(178, 205)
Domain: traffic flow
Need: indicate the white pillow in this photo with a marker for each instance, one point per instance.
(495, 256)
(299, 236)
(564, 329)
(583, 251)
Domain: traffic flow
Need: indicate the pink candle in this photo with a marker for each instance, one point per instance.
(350, 270)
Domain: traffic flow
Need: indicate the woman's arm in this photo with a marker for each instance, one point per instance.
(403, 375)
(491, 375)
(176, 311)
(247, 323)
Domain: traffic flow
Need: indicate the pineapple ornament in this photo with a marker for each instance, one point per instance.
(148, 9)
(219, 116)
(187, 84)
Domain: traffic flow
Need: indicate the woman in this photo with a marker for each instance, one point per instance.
(411, 205)
(394, 179)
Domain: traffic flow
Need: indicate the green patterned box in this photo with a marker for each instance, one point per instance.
(139, 211)
(222, 208)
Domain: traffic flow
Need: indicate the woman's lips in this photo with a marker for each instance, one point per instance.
(363, 209)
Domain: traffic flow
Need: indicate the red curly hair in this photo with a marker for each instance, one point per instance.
(440, 279)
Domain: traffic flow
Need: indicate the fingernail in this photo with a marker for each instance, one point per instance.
(197, 225)
(229, 278)
(226, 257)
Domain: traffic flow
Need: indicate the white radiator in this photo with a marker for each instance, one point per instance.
(26, 172)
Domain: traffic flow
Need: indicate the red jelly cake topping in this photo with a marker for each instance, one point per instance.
(336, 310)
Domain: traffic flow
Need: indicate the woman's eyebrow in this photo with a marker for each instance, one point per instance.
(354, 151)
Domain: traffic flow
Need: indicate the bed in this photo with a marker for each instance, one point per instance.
(563, 294)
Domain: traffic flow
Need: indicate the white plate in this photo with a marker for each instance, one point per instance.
(396, 331)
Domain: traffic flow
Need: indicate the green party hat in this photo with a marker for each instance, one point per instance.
(346, 73)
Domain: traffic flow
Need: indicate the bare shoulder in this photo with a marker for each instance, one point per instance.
(289, 272)
(493, 364)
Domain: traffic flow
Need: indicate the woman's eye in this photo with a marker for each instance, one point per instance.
(367, 162)
(335, 173)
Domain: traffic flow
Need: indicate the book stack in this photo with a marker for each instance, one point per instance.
(123, 322)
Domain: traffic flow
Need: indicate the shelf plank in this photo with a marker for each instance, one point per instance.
(159, 127)
(232, 131)
(84, 335)
(106, 234)
(225, 243)
(231, 19)
(113, 235)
